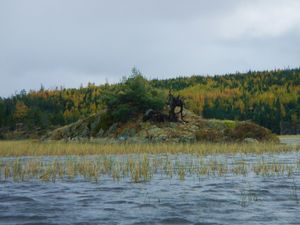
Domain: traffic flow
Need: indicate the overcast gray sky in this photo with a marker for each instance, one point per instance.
(72, 42)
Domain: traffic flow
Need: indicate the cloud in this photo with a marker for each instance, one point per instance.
(71, 42)
(261, 19)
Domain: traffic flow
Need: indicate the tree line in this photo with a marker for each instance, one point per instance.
(269, 98)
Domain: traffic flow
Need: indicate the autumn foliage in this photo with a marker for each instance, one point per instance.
(268, 98)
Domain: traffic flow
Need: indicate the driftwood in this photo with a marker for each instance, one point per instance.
(174, 102)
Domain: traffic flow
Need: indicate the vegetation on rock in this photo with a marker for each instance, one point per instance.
(139, 131)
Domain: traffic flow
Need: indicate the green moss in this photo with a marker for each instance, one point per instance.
(230, 124)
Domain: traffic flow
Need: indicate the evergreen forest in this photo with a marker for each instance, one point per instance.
(268, 98)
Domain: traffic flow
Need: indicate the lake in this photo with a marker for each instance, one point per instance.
(230, 198)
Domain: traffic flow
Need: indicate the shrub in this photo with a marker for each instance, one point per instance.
(251, 130)
(133, 96)
(209, 135)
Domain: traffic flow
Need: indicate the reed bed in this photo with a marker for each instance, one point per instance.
(52, 161)
(137, 168)
(38, 148)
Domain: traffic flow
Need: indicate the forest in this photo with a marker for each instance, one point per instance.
(268, 98)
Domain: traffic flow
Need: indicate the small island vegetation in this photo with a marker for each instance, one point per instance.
(130, 129)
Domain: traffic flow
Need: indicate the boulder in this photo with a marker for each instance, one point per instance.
(250, 140)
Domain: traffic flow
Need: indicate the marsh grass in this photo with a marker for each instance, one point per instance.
(294, 190)
(247, 196)
(137, 162)
(137, 168)
(37, 148)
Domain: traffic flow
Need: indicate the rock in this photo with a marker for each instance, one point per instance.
(128, 132)
(139, 131)
(85, 132)
(111, 129)
(122, 138)
(100, 133)
(250, 140)
(155, 116)
(188, 139)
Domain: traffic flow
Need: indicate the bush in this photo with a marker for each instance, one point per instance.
(251, 130)
(132, 97)
(209, 135)
(122, 113)
(98, 122)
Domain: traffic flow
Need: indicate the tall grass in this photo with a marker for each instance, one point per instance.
(37, 148)
(138, 163)
(137, 168)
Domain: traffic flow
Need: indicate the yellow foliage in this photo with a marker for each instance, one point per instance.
(20, 111)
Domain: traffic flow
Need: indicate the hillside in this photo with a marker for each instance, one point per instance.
(268, 98)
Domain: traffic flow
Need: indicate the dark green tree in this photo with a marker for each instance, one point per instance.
(133, 96)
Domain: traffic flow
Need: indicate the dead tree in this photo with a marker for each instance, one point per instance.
(174, 102)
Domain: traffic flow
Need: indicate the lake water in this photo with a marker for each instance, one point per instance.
(290, 139)
(230, 199)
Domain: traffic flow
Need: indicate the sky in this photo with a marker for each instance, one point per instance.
(73, 42)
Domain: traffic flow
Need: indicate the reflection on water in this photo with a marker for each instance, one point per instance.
(230, 199)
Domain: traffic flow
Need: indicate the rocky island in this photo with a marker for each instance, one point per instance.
(196, 129)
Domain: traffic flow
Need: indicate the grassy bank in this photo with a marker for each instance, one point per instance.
(37, 148)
